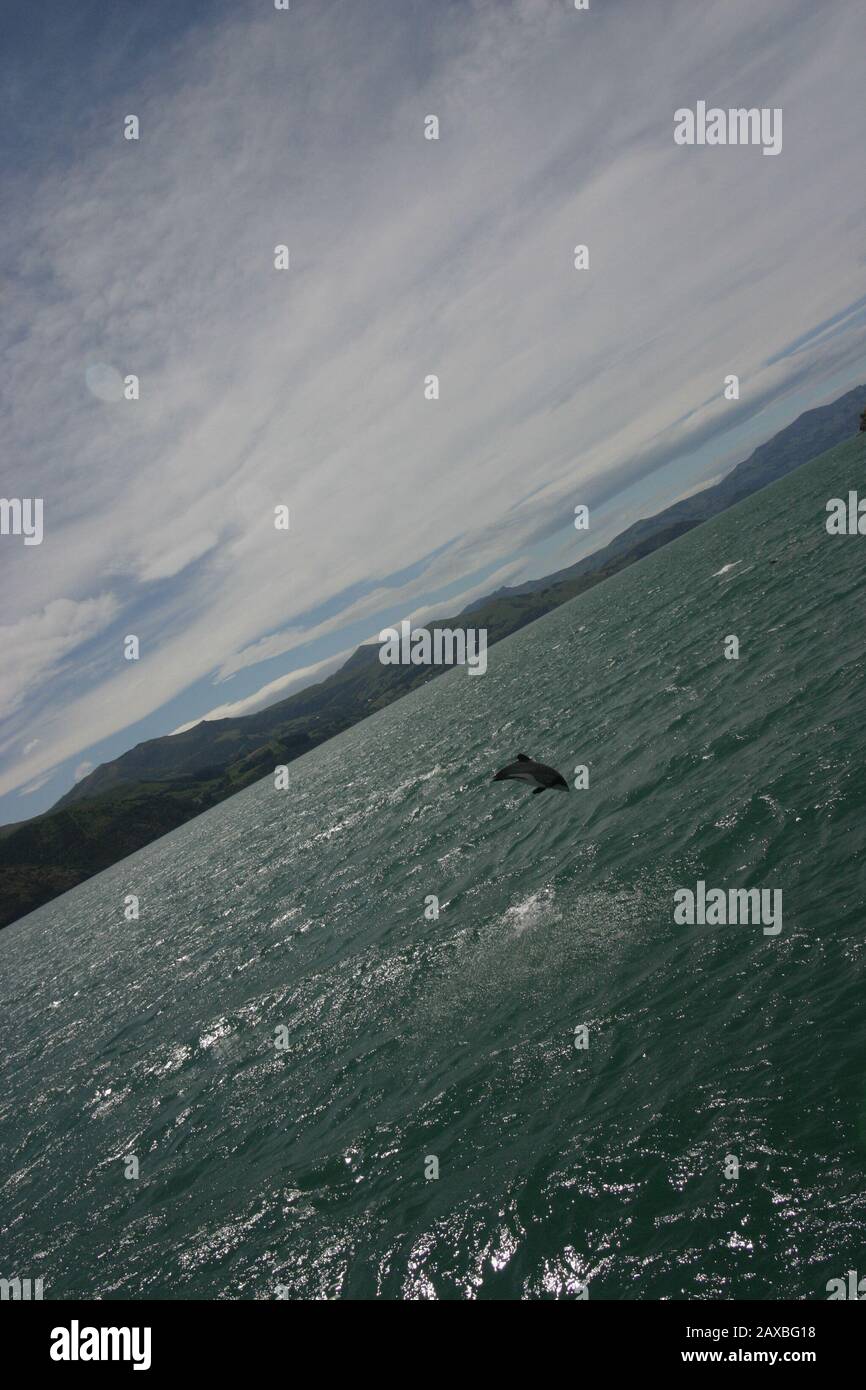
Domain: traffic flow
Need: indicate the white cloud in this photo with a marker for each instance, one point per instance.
(35, 646)
(36, 785)
(281, 688)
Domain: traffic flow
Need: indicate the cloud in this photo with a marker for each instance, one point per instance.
(408, 257)
(36, 785)
(35, 646)
(267, 695)
(82, 771)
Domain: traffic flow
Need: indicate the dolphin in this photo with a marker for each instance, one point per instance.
(539, 775)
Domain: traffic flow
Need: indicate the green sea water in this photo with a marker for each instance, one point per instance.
(301, 1172)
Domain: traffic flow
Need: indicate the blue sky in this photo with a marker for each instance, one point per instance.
(408, 257)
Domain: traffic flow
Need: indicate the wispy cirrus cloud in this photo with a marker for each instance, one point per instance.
(41, 641)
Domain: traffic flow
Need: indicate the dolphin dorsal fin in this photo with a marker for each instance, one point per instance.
(522, 758)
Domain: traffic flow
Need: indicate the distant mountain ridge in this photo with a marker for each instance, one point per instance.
(811, 434)
(158, 785)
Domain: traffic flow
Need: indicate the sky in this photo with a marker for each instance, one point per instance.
(407, 257)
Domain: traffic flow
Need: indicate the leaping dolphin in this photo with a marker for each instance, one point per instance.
(539, 775)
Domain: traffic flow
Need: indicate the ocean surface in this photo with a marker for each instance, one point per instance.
(301, 1172)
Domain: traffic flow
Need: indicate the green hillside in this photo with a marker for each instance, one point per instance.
(158, 785)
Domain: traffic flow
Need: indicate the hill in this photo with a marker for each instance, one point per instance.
(158, 785)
